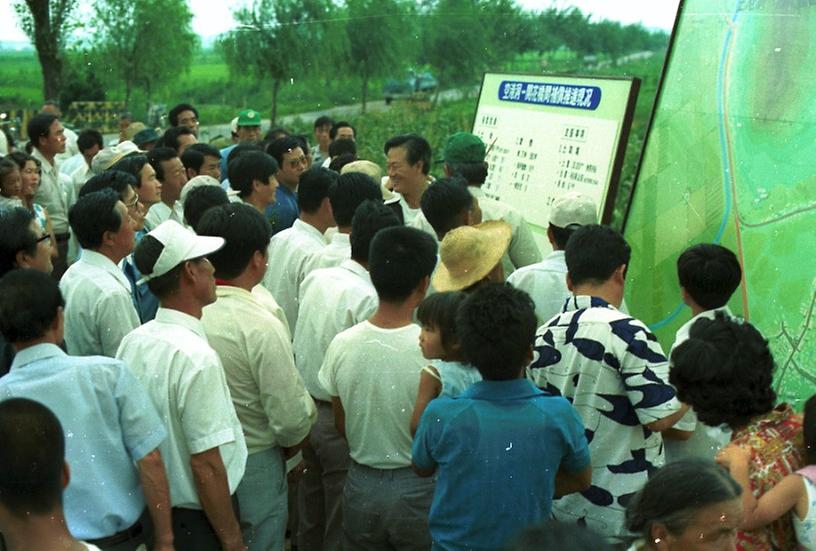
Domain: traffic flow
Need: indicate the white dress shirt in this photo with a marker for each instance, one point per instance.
(546, 283)
(523, 250)
(53, 193)
(160, 212)
(335, 253)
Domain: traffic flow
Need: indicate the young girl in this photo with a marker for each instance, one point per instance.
(10, 184)
(796, 492)
(447, 376)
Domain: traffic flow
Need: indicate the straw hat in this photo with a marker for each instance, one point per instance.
(468, 253)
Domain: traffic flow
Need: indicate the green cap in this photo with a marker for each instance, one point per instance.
(249, 117)
(464, 147)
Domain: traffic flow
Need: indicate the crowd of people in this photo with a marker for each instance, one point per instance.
(230, 348)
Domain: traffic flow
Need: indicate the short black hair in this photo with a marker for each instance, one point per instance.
(400, 258)
(338, 125)
(31, 458)
(496, 326)
(199, 200)
(417, 149)
(278, 131)
(323, 120)
(89, 138)
(337, 164)
(563, 536)
(192, 159)
(709, 273)
(172, 135)
(157, 156)
(278, 148)
(444, 203)
(245, 231)
(304, 143)
(473, 173)
(29, 302)
(248, 167)
(15, 227)
(369, 218)
(205, 149)
(145, 256)
(561, 235)
(341, 147)
(39, 126)
(594, 252)
(724, 371)
(172, 115)
(239, 150)
(352, 189)
(439, 311)
(316, 184)
(116, 180)
(21, 158)
(93, 215)
(132, 164)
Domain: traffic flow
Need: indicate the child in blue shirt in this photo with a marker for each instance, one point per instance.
(503, 448)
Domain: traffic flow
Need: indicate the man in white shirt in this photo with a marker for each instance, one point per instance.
(289, 249)
(351, 190)
(99, 308)
(409, 165)
(172, 175)
(372, 373)
(546, 281)
(331, 300)
(274, 408)
(205, 451)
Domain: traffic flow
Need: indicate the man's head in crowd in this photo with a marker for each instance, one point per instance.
(253, 175)
(465, 157)
(179, 138)
(199, 200)
(400, 262)
(471, 256)
(46, 133)
(246, 233)
(248, 126)
(24, 244)
(124, 184)
(89, 142)
(342, 147)
(351, 190)
(369, 218)
(147, 186)
(409, 161)
(102, 223)
(709, 274)
(448, 204)
(186, 115)
(146, 139)
(342, 130)
(169, 171)
(202, 158)
(322, 131)
(597, 257)
(313, 198)
(30, 308)
(568, 213)
(291, 160)
(52, 107)
(496, 327)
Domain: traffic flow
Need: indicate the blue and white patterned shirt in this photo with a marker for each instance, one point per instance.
(612, 369)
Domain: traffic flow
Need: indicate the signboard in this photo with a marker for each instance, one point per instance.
(551, 134)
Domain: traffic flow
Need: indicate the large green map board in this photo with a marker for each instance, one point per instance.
(727, 161)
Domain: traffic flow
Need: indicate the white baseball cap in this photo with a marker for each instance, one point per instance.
(180, 244)
(573, 208)
(109, 156)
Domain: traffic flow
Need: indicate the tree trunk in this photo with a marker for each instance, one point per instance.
(46, 40)
(274, 115)
(128, 90)
(365, 87)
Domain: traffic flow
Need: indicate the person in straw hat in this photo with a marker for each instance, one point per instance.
(471, 256)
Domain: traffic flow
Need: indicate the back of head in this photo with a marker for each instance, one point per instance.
(132, 164)
(445, 204)
(157, 156)
(369, 218)
(496, 326)
(709, 273)
(31, 458)
(337, 164)
(676, 492)
(29, 302)
(558, 535)
(245, 231)
(316, 184)
(15, 227)
(192, 159)
(416, 148)
(464, 156)
(724, 371)
(116, 180)
(39, 125)
(173, 114)
(93, 215)
(248, 167)
(171, 137)
(89, 138)
(342, 147)
(240, 149)
(279, 147)
(594, 252)
(351, 190)
(399, 259)
(199, 200)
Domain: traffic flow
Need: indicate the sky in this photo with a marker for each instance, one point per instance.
(212, 18)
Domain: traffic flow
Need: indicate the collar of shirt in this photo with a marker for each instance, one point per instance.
(98, 260)
(513, 389)
(175, 317)
(227, 290)
(36, 353)
(356, 268)
(302, 227)
(580, 302)
(341, 239)
(683, 332)
(47, 166)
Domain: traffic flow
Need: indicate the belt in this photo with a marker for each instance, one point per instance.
(63, 236)
(120, 537)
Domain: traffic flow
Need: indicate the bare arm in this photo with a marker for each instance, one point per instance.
(339, 415)
(677, 434)
(569, 483)
(213, 492)
(668, 422)
(157, 496)
(429, 388)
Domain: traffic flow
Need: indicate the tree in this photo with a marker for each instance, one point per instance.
(136, 42)
(46, 23)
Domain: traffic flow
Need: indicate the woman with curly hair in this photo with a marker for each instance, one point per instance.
(725, 372)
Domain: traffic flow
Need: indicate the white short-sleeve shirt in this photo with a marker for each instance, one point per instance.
(335, 253)
(546, 283)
